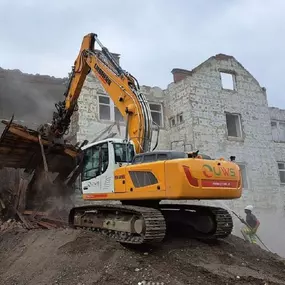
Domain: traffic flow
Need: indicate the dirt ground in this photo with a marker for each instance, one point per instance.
(67, 256)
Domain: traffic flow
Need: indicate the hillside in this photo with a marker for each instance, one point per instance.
(73, 257)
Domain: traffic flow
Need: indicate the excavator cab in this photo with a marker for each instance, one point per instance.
(100, 161)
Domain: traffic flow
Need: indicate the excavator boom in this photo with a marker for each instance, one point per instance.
(122, 88)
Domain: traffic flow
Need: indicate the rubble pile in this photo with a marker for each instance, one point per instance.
(12, 191)
(10, 224)
(31, 220)
(13, 212)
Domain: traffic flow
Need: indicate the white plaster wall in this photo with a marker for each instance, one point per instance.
(89, 124)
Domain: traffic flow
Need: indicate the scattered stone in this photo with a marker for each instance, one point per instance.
(9, 225)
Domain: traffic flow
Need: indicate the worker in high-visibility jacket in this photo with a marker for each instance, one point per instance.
(251, 225)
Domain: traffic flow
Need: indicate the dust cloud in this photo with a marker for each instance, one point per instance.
(30, 98)
(55, 198)
(271, 230)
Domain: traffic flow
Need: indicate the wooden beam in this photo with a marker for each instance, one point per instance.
(30, 137)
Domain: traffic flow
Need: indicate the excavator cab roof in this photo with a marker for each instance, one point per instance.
(158, 155)
(163, 155)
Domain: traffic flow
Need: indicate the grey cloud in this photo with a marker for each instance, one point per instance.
(151, 36)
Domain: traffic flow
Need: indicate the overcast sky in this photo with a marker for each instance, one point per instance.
(152, 36)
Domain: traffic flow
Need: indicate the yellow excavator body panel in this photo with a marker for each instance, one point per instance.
(188, 178)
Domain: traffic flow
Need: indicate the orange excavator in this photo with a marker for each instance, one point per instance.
(128, 170)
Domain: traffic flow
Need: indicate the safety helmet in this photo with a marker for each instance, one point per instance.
(249, 207)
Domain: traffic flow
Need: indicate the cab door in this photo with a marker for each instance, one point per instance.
(97, 170)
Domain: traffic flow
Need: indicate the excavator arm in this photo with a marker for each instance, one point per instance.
(121, 86)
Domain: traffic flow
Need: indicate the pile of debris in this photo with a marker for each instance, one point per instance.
(9, 225)
(32, 220)
(13, 212)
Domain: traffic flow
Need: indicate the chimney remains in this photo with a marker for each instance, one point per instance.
(180, 74)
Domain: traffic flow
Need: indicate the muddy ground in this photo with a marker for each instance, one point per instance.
(67, 256)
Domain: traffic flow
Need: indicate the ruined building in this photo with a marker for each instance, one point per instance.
(221, 110)
(218, 108)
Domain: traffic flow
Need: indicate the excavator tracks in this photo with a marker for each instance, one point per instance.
(137, 225)
(153, 231)
(197, 221)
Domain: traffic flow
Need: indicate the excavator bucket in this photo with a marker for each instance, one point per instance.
(51, 166)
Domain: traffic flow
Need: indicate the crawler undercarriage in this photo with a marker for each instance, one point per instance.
(135, 224)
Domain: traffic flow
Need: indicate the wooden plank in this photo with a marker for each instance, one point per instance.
(27, 136)
(23, 185)
(2, 205)
(27, 223)
(28, 212)
(18, 194)
(56, 222)
(46, 225)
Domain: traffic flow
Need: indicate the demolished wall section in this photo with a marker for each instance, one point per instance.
(204, 103)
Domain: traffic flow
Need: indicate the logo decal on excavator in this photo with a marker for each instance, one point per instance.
(217, 171)
(104, 76)
(120, 176)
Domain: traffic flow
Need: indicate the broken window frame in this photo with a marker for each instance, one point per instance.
(172, 122)
(278, 134)
(180, 118)
(238, 123)
(160, 112)
(224, 81)
(281, 170)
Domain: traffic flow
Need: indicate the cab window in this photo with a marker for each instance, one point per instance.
(123, 152)
(96, 161)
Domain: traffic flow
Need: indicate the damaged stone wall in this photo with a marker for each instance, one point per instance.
(204, 104)
(278, 132)
(86, 123)
(208, 109)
